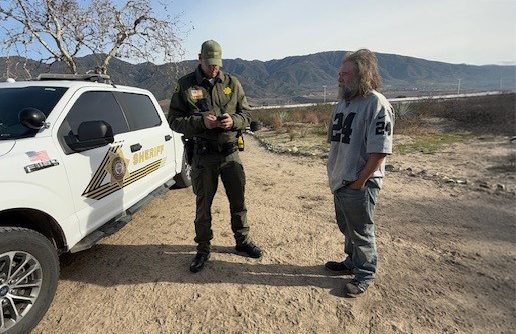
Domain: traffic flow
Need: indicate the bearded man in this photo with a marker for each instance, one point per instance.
(360, 135)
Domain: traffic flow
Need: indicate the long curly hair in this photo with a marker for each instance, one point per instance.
(368, 75)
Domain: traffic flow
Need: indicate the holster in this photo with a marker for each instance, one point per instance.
(189, 149)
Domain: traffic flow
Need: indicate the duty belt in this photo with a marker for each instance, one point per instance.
(204, 146)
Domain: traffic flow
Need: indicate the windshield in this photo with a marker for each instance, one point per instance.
(13, 100)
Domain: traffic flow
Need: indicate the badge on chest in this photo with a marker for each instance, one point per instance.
(196, 94)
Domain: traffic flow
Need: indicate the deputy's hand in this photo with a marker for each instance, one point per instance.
(210, 121)
(227, 122)
(356, 185)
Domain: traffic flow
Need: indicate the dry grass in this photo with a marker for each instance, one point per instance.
(309, 115)
(430, 124)
(485, 115)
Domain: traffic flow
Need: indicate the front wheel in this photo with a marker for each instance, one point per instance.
(29, 271)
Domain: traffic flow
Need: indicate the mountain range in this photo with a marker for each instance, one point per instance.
(293, 79)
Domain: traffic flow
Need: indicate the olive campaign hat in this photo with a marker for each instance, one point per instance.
(211, 53)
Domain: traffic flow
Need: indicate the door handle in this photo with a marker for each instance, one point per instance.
(168, 137)
(136, 147)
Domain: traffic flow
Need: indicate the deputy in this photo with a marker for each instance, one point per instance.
(209, 107)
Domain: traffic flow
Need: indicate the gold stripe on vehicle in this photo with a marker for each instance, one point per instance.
(95, 180)
(136, 175)
(105, 188)
(147, 172)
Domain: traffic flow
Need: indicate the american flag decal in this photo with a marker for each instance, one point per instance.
(38, 156)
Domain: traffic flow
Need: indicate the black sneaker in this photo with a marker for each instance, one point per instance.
(198, 262)
(355, 288)
(250, 249)
(338, 268)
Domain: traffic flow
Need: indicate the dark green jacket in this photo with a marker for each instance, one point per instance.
(225, 96)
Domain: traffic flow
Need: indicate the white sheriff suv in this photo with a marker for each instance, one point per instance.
(78, 156)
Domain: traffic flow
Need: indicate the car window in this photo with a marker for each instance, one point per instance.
(13, 100)
(97, 106)
(91, 106)
(139, 110)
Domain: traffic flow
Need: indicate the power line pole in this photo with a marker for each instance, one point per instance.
(324, 86)
(458, 87)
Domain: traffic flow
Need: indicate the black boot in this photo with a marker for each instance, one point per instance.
(198, 262)
(338, 268)
(250, 249)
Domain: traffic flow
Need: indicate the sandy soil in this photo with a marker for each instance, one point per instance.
(446, 254)
(486, 161)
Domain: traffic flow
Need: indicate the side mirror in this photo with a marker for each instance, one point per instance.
(92, 130)
(32, 118)
(92, 134)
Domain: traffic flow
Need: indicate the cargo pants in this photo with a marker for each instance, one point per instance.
(205, 177)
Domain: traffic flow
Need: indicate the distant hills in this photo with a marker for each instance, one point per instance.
(297, 78)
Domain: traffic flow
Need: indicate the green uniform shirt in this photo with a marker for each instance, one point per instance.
(224, 96)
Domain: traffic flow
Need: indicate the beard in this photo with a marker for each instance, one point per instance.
(349, 92)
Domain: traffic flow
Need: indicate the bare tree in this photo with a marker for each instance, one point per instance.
(61, 30)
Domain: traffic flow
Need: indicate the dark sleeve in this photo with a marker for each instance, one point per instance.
(242, 116)
(180, 118)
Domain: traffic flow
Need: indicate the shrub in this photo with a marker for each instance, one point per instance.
(311, 117)
(277, 123)
(480, 115)
(292, 134)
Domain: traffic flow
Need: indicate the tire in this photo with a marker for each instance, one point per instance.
(255, 125)
(26, 251)
(184, 179)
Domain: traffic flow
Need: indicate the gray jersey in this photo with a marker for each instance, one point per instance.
(359, 127)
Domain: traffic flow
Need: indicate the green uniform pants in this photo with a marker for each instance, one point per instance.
(205, 177)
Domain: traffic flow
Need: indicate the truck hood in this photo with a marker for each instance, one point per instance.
(6, 146)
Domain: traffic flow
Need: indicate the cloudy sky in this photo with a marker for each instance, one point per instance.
(456, 31)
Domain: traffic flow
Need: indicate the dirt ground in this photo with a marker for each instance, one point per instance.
(446, 258)
(485, 164)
